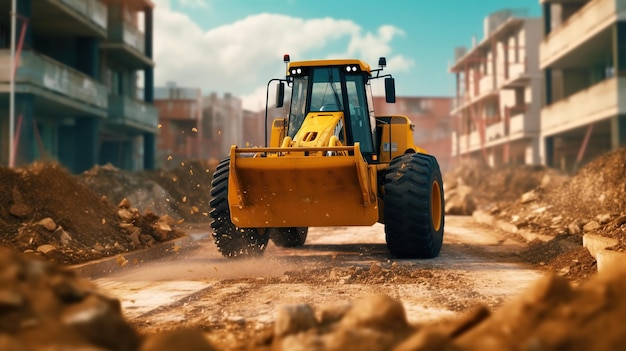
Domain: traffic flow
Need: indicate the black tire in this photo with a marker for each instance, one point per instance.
(414, 206)
(231, 241)
(289, 237)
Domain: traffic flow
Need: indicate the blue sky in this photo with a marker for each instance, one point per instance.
(236, 46)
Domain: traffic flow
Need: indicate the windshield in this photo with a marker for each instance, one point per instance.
(326, 94)
(298, 105)
(359, 118)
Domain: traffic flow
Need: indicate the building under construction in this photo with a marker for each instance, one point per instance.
(76, 94)
(544, 90)
(583, 58)
(498, 92)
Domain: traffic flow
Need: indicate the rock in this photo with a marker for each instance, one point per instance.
(68, 289)
(99, 320)
(375, 269)
(63, 236)
(48, 223)
(98, 247)
(529, 197)
(459, 201)
(167, 219)
(574, 229)
(46, 248)
(293, 319)
(125, 204)
(333, 313)
(593, 225)
(10, 299)
(19, 208)
(620, 221)
(376, 311)
(603, 218)
(187, 340)
(121, 260)
(425, 340)
(125, 215)
(133, 235)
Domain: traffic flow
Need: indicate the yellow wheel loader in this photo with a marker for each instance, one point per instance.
(330, 162)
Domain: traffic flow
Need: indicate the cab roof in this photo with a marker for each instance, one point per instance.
(364, 67)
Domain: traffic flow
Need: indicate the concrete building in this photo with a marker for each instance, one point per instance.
(77, 97)
(432, 120)
(583, 57)
(496, 115)
(181, 136)
(222, 123)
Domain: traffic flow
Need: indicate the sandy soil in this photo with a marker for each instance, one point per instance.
(237, 299)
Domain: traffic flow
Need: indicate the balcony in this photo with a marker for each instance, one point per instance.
(516, 124)
(474, 143)
(494, 131)
(590, 21)
(485, 85)
(600, 101)
(127, 43)
(94, 10)
(51, 80)
(132, 114)
(71, 17)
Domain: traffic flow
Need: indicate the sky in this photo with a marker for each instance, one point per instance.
(237, 46)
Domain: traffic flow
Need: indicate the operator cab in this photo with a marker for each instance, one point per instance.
(335, 86)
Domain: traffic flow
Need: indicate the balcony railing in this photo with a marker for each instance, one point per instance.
(46, 73)
(94, 10)
(127, 111)
(599, 101)
(486, 85)
(585, 23)
(128, 34)
(516, 124)
(495, 131)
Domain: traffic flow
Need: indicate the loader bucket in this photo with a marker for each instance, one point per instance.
(290, 189)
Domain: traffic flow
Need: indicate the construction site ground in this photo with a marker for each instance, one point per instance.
(51, 220)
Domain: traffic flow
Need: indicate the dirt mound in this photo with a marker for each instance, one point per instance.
(189, 186)
(473, 184)
(593, 200)
(550, 316)
(43, 306)
(44, 209)
(181, 192)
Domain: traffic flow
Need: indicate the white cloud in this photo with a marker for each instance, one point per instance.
(242, 56)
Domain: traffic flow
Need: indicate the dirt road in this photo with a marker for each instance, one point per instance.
(201, 288)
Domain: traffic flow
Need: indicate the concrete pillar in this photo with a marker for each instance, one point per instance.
(148, 70)
(87, 136)
(619, 48)
(549, 151)
(149, 150)
(618, 131)
(548, 85)
(547, 18)
(25, 121)
(67, 146)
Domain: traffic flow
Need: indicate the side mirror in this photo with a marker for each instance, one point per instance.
(280, 94)
(390, 90)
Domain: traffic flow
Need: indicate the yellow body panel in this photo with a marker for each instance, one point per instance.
(301, 191)
(396, 137)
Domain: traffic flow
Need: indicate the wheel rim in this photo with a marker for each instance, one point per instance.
(435, 206)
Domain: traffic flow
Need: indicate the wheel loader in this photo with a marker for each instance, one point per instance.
(330, 162)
